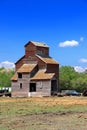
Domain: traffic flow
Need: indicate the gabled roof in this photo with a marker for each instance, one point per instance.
(40, 44)
(26, 68)
(47, 60)
(42, 75)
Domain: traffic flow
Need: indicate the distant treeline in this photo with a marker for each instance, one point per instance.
(70, 79)
(5, 77)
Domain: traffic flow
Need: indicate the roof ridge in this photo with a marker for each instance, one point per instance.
(40, 44)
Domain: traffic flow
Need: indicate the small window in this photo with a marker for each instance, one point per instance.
(19, 75)
(32, 87)
(20, 85)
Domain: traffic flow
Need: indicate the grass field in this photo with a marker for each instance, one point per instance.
(49, 113)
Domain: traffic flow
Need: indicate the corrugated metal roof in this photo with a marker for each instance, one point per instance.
(40, 44)
(14, 78)
(41, 75)
(26, 68)
(47, 60)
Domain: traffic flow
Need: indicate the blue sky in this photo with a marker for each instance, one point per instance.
(61, 24)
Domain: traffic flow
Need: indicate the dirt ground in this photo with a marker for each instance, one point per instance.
(47, 121)
(55, 120)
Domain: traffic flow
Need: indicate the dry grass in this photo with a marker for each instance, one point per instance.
(49, 101)
(49, 113)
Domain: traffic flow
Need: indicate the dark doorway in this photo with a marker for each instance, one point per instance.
(32, 87)
(54, 87)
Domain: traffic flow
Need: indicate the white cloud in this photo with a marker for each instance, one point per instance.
(7, 64)
(81, 39)
(79, 69)
(69, 43)
(83, 60)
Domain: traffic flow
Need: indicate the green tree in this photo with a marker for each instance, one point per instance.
(66, 74)
(5, 77)
(70, 79)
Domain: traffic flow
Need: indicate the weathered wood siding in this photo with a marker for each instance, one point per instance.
(43, 51)
(43, 88)
(21, 92)
(30, 50)
(54, 68)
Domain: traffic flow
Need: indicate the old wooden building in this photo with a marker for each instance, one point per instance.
(36, 73)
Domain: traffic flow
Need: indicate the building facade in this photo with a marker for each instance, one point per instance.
(36, 73)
